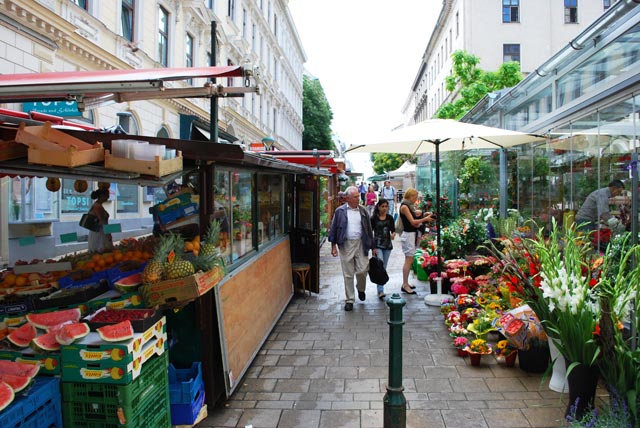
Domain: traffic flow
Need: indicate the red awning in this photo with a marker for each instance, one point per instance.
(92, 88)
(306, 157)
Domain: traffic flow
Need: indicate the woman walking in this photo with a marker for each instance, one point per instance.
(370, 200)
(383, 235)
(412, 219)
(99, 241)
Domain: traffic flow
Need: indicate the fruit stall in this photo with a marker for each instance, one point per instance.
(176, 313)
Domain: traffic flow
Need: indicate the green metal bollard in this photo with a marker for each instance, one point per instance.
(395, 405)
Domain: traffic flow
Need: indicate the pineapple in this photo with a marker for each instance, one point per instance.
(209, 246)
(154, 271)
(178, 267)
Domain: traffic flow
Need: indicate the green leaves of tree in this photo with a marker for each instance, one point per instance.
(316, 116)
(387, 162)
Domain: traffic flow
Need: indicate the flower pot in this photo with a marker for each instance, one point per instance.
(510, 360)
(582, 381)
(534, 360)
(461, 352)
(475, 358)
(558, 381)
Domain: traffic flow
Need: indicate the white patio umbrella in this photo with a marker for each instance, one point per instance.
(436, 135)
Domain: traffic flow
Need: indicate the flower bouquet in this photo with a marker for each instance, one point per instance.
(461, 342)
(482, 325)
(476, 349)
(506, 353)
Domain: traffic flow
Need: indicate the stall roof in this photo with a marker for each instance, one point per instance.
(318, 159)
(93, 88)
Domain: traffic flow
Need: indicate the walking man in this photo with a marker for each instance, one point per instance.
(351, 233)
(388, 192)
(363, 192)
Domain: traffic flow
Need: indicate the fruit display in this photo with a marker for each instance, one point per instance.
(69, 333)
(18, 369)
(6, 395)
(22, 336)
(16, 382)
(47, 320)
(119, 315)
(117, 332)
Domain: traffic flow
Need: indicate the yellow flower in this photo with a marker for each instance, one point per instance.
(502, 344)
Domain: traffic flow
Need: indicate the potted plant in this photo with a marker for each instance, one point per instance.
(476, 349)
(461, 342)
(506, 353)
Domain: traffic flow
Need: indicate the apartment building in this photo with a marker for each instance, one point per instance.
(497, 31)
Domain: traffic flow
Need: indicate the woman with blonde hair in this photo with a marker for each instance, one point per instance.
(412, 219)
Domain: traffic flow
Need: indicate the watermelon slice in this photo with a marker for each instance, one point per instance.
(22, 336)
(128, 284)
(69, 333)
(6, 395)
(18, 383)
(50, 319)
(116, 332)
(46, 342)
(19, 369)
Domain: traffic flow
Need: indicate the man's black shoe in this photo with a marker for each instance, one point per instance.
(348, 306)
(362, 295)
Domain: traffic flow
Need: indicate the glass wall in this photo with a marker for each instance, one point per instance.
(32, 201)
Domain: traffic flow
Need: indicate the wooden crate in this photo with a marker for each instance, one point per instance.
(157, 168)
(12, 150)
(48, 146)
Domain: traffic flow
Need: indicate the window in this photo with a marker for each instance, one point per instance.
(510, 10)
(232, 207)
(163, 36)
(244, 23)
(606, 4)
(570, 11)
(211, 4)
(269, 207)
(510, 52)
(127, 122)
(84, 4)
(73, 202)
(229, 79)
(188, 54)
(126, 198)
(127, 17)
(163, 132)
(232, 9)
(457, 24)
(275, 25)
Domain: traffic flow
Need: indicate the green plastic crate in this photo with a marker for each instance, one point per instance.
(108, 404)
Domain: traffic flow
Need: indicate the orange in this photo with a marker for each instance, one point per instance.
(137, 254)
(117, 256)
(101, 263)
(90, 265)
(10, 279)
(188, 246)
(146, 255)
(20, 281)
(109, 259)
(96, 257)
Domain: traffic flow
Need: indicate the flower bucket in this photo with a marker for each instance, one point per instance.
(462, 352)
(510, 360)
(534, 360)
(475, 358)
(583, 381)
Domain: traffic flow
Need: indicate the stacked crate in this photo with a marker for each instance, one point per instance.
(186, 394)
(36, 407)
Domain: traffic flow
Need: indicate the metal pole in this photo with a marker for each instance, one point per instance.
(503, 183)
(439, 247)
(213, 126)
(395, 405)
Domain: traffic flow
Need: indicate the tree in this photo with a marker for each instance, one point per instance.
(472, 83)
(316, 116)
(387, 162)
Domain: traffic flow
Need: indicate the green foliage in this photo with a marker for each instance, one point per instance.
(472, 83)
(475, 170)
(387, 162)
(316, 116)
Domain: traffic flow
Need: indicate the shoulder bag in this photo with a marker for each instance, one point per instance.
(90, 221)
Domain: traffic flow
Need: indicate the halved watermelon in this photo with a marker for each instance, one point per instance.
(116, 332)
(46, 342)
(46, 320)
(129, 284)
(18, 383)
(69, 333)
(6, 395)
(23, 335)
(18, 369)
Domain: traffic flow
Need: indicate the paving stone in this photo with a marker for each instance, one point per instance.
(293, 360)
(372, 418)
(469, 385)
(299, 418)
(309, 373)
(276, 372)
(362, 385)
(276, 404)
(505, 385)
(350, 405)
(433, 385)
(326, 385)
(260, 418)
(299, 344)
(312, 405)
(222, 418)
(424, 419)
(505, 418)
(544, 417)
(257, 385)
(468, 419)
(340, 419)
(292, 385)
(342, 372)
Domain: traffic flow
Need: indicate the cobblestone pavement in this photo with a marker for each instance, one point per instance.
(322, 367)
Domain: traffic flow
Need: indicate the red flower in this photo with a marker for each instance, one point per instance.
(597, 331)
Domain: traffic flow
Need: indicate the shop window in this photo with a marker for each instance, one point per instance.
(72, 201)
(32, 201)
(188, 60)
(126, 198)
(221, 210)
(269, 207)
(84, 4)
(127, 19)
(241, 216)
(510, 52)
(510, 10)
(570, 11)
(606, 4)
(163, 36)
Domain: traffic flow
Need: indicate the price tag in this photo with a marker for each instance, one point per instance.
(27, 240)
(112, 228)
(65, 238)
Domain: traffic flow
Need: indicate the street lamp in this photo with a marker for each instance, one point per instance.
(268, 143)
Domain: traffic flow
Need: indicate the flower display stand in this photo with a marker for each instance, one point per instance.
(558, 381)
(436, 299)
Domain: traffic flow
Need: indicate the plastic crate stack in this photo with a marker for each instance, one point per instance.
(186, 394)
(143, 403)
(36, 407)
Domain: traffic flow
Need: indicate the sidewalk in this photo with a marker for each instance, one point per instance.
(323, 367)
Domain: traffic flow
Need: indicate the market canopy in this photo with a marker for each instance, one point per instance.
(94, 88)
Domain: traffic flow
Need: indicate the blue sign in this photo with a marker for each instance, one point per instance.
(56, 108)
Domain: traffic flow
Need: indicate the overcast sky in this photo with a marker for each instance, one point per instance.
(366, 55)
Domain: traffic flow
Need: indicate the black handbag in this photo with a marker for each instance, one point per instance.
(377, 273)
(90, 221)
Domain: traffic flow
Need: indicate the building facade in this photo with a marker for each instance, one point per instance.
(496, 31)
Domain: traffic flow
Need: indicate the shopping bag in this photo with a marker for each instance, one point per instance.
(399, 225)
(90, 221)
(377, 273)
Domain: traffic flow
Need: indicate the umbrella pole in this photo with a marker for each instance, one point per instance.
(436, 299)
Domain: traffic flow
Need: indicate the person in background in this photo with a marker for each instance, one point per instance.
(16, 195)
(388, 192)
(351, 232)
(596, 207)
(99, 241)
(384, 233)
(363, 192)
(370, 200)
(412, 219)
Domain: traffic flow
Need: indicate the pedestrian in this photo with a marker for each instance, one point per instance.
(384, 233)
(375, 186)
(351, 233)
(412, 219)
(363, 192)
(595, 208)
(389, 193)
(99, 241)
(370, 200)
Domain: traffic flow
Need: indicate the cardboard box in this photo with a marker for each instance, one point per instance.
(49, 363)
(175, 292)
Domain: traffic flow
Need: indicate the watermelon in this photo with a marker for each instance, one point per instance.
(18, 383)
(47, 320)
(6, 395)
(22, 336)
(129, 284)
(116, 332)
(69, 333)
(19, 369)
(46, 342)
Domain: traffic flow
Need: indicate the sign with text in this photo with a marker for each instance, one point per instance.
(112, 228)
(57, 108)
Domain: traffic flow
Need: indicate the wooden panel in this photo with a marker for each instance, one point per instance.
(251, 302)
